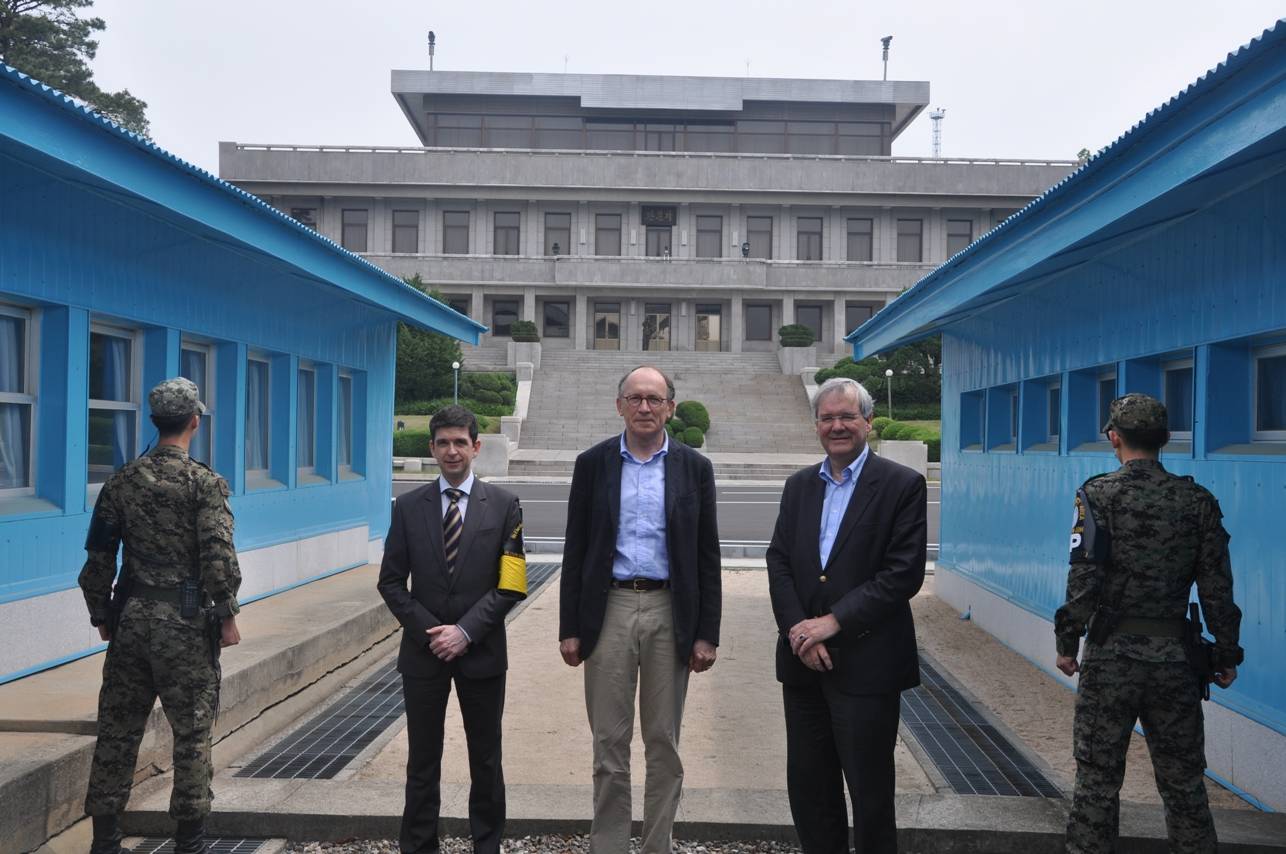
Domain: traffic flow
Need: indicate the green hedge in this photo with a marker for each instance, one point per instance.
(896, 431)
(477, 407)
(491, 381)
(524, 330)
(676, 426)
(410, 443)
(911, 411)
(795, 335)
(693, 414)
(879, 422)
(693, 437)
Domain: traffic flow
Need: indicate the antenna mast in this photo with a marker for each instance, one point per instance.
(432, 42)
(937, 116)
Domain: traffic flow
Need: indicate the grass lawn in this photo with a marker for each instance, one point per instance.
(421, 422)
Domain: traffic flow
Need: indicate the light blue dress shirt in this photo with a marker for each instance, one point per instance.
(641, 551)
(463, 503)
(838, 494)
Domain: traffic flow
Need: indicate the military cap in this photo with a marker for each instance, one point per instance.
(174, 397)
(1137, 411)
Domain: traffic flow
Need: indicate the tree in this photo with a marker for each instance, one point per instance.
(917, 369)
(49, 41)
(424, 358)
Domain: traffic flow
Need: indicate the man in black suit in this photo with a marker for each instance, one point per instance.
(460, 543)
(640, 603)
(846, 557)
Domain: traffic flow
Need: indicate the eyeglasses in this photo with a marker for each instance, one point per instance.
(841, 418)
(636, 400)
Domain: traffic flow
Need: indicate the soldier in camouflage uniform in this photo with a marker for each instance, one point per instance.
(1142, 537)
(172, 515)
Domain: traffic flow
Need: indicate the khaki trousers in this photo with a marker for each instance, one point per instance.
(635, 653)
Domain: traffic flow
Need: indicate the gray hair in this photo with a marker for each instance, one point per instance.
(849, 387)
(669, 383)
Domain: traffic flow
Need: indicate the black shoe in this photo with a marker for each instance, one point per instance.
(190, 837)
(107, 835)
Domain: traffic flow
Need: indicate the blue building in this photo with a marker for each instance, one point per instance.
(121, 265)
(1159, 267)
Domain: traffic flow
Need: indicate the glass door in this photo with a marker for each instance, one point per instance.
(658, 241)
(709, 327)
(607, 326)
(656, 326)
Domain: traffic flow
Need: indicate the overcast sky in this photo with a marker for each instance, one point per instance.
(1018, 78)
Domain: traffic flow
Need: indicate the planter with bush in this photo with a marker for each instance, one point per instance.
(525, 343)
(689, 424)
(797, 351)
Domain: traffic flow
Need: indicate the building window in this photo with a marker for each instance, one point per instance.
(113, 401)
(17, 401)
(455, 232)
(759, 236)
(856, 313)
(557, 320)
(1013, 416)
(860, 243)
(810, 316)
(305, 216)
(1270, 394)
(306, 422)
(258, 414)
(458, 130)
(1053, 411)
(344, 426)
(353, 235)
(959, 235)
(709, 237)
(508, 226)
(808, 246)
(508, 131)
(910, 240)
(658, 241)
(558, 233)
(503, 313)
(1106, 394)
(1177, 391)
(560, 132)
(607, 234)
(196, 364)
(758, 322)
(460, 304)
(406, 232)
(973, 420)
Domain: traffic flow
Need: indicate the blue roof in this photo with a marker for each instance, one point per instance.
(251, 221)
(1047, 234)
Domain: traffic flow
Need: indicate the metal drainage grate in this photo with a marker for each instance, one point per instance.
(973, 756)
(323, 747)
(217, 845)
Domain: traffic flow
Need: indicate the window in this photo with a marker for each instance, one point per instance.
(809, 238)
(761, 136)
(305, 216)
(1270, 394)
(758, 322)
(759, 236)
(860, 233)
(353, 235)
(258, 413)
(558, 233)
(1106, 394)
(306, 421)
(503, 313)
(406, 232)
(709, 138)
(1177, 397)
(1013, 416)
(557, 320)
(460, 304)
(810, 316)
(458, 131)
(607, 234)
(910, 242)
(609, 136)
(559, 132)
(658, 241)
(709, 236)
(856, 313)
(1053, 411)
(507, 229)
(344, 426)
(508, 131)
(196, 364)
(455, 232)
(17, 402)
(973, 420)
(113, 401)
(959, 235)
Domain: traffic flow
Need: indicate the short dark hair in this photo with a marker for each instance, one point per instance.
(1148, 441)
(453, 416)
(669, 383)
(169, 426)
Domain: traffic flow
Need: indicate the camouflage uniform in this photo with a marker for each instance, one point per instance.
(172, 514)
(1165, 533)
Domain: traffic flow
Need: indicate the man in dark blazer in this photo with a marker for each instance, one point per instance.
(640, 603)
(847, 555)
(459, 541)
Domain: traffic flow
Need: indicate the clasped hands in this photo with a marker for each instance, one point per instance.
(447, 642)
(807, 641)
(701, 659)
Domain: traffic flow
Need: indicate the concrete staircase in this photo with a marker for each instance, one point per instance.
(754, 408)
(485, 358)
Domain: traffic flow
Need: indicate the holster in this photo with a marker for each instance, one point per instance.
(1103, 622)
(120, 594)
(1199, 651)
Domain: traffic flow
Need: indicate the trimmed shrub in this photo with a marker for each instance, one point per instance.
(483, 395)
(490, 381)
(894, 431)
(411, 443)
(693, 414)
(935, 447)
(795, 335)
(693, 437)
(914, 411)
(879, 422)
(477, 407)
(524, 330)
(676, 426)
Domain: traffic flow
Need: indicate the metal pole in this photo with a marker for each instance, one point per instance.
(455, 394)
(888, 376)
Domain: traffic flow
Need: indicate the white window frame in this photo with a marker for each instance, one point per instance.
(27, 397)
(1257, 435)
(345, 469)
(306, 471)
(263, 473)
(135, 337)
(1179, 365)
(1053, 420)
(208, 394)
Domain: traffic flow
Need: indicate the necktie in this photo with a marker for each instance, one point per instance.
(452, 524)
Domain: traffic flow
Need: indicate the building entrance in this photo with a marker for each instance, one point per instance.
(607, 326)
(709, 327)
(656, 326)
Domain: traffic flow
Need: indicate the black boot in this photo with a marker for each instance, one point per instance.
(107, 835)
(190, 837)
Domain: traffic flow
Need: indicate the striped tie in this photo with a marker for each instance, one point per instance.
(452, 524)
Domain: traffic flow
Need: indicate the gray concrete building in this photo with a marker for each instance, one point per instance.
(648, 212)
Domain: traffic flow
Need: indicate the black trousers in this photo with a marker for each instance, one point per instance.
(482, 703)
(833, 737)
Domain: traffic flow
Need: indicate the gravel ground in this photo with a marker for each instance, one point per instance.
(539, 845)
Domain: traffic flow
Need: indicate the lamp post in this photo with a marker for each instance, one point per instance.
(888, 378)
(455, 367)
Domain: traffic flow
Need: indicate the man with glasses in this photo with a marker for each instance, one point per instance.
(640, 602)
(847, 555)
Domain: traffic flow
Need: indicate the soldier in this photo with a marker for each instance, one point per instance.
(173, 607)
(1142, 536)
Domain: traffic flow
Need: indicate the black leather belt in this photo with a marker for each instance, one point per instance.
(156, 594)
(1152, 627)
(640, 584)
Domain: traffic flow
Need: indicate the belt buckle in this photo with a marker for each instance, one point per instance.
(636, 584)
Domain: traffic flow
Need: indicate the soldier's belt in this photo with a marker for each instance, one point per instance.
(1150, 626)
(156, 594)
